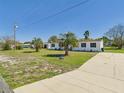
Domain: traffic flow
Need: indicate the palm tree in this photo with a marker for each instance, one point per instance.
(86, 34)
(69, 39)
(37, 42)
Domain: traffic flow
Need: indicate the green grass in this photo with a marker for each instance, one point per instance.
(114, 50)
(31, 66)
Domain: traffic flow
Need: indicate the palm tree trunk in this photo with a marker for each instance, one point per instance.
(37, 49)
(66, 51)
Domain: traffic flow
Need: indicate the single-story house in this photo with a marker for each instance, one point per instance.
(85, 45)
(26, 45)
(53, 46)
(89, 45)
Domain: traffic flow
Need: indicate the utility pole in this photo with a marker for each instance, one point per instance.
(15, 28)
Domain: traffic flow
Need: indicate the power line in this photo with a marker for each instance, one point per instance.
(60, 12)
(36, 8)
(29, 11)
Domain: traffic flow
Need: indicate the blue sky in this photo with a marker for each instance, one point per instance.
(97, 16)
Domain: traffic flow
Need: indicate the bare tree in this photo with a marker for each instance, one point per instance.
(117, 35)
(7, 42)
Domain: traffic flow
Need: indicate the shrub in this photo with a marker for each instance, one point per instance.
(6, 46)
(19, 47)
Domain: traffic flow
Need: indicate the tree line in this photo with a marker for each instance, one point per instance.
(65, 40)
(116, 35)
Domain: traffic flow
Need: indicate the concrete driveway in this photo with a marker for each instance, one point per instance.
(104, 73)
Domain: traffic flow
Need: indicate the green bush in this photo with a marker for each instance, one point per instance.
(6, 46)
(19, 47)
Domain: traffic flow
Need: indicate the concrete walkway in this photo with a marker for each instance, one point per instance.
(104, 73)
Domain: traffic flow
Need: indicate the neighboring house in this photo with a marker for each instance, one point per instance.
(46, 45)
(26, 45)
(90, 45)
(54, 46)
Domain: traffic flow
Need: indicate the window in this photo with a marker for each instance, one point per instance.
(53, 45)
(83, 44)
(93, 45)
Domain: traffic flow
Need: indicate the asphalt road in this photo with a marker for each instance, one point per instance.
(4, 88)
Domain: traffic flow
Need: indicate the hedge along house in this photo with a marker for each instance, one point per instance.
(90, 45)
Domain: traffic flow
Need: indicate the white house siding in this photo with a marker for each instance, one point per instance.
(48, 46)
(26, 46)
(55, 47)
(99, 46)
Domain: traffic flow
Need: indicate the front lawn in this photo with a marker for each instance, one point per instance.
(26, 66)
(114, 50)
